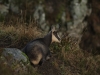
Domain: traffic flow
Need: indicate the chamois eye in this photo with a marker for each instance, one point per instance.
(56, 35)
(55, 32)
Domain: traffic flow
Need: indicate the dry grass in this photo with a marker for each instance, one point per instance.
(72, 61)
(12, 36)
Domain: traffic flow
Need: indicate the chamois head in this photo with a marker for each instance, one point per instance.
(55, 35)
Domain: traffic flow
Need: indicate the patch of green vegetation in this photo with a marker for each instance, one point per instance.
(67, 47)
(2, 17)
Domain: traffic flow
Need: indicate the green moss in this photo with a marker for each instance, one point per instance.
(27, 59)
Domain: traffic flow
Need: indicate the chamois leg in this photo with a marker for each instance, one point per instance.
(35, 61)
(48, 58)
(42, 61)
(48, 55)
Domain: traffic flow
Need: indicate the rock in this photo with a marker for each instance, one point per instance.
(14, 62)
(79, 10)
(16, 54)
(3, 9)
(40, 16)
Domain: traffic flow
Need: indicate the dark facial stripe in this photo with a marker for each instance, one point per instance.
(55, 33)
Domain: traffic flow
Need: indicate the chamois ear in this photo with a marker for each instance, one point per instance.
(53, 29)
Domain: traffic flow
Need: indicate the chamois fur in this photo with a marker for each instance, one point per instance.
(38, 49)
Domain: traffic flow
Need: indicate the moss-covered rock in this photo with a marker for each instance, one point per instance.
(14, 62)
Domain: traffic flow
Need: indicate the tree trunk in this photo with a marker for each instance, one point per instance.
(90, 40)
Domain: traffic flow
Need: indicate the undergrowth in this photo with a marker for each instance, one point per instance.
(69, 58)
(72, 60)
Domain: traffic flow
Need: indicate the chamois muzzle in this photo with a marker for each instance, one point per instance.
(56, 37)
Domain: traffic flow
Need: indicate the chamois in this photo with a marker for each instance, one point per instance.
(38, 49)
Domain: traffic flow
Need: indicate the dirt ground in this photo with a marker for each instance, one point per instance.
(48, 68)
